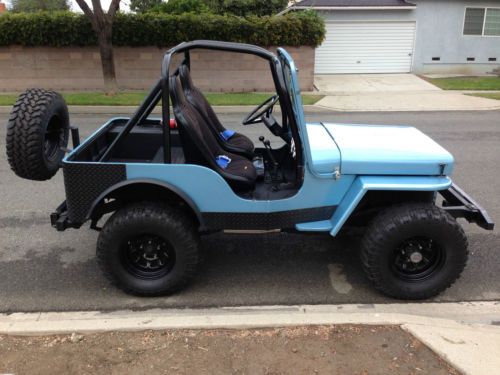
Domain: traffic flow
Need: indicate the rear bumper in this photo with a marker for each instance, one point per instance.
(459, 204)
(60, 220)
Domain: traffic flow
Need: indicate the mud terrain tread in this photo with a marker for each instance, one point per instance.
(25, 134)
(178, 221)
(389, 221)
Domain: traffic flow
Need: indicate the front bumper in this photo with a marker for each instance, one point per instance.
(459, 204)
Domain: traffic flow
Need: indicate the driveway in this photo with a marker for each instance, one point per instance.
(392, 92)
(369, 83)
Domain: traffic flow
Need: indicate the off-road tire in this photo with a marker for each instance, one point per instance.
(158, 219)
(37, 134)
(395, 226)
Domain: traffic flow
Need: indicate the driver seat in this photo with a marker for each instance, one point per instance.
(236, 143)
(200, 146)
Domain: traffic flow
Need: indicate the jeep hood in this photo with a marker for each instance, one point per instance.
(376, 150)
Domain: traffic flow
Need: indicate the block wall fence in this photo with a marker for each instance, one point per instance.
(79, 68)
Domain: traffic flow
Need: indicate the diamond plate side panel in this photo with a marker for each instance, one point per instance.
(272, 220)
(85, 182)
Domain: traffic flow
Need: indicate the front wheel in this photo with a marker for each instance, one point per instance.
(149, 249)
(414, 251)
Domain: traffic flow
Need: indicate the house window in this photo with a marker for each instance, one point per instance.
(482, 21)
(474, 21)
(492, 23)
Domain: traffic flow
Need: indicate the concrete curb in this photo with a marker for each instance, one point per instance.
(253, 316)
(458, 332)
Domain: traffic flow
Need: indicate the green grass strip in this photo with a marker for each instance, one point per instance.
(135, 98)
(467, 83)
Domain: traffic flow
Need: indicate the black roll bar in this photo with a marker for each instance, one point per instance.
(161, 90)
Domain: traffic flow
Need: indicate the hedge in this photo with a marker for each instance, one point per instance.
(70, 29)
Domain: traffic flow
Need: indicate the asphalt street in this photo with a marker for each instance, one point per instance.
(44, 270)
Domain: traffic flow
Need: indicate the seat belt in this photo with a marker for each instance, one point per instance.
(222, 161)
(227, 134)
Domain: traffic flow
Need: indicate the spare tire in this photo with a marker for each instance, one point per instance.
(37, 134)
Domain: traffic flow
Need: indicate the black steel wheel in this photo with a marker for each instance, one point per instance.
(417, 258)
(37, 134)
(414, 251)
(55, 139)
(149, 248)
(148, 256)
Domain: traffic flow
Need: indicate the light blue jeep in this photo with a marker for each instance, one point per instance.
(169, 180)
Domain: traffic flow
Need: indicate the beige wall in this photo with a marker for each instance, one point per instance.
(79, 68)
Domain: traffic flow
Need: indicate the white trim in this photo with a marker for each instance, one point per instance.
(298, 7)
(369, 21)
(413, 47)
(484, 22)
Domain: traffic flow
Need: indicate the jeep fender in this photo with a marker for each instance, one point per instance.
(138, 185)
(362, 185)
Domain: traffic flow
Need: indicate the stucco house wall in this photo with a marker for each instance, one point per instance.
(439, 33)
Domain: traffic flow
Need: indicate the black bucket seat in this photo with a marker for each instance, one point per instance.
(201, 147)
(236, 143)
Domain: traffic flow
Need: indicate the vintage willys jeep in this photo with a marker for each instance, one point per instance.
(170, 180)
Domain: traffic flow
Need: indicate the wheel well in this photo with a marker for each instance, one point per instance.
(375, 201)
(120, 196)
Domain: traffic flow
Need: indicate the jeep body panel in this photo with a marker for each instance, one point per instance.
(341, 163)
(361, 185)
(322, 196)
(389, 150)
(324, 154)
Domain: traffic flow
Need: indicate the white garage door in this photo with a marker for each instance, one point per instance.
(366, 47)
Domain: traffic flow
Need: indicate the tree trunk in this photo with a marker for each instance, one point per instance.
(107, 60)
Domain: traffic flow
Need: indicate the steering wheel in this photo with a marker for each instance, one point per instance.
(255, 116)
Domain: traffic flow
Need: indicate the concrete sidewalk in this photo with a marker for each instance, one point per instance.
(407, 101)
(464, 334)
(393, 92)
(371, 83)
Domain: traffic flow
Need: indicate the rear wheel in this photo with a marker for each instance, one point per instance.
(414, 251)
(149, 249)
(37, 134)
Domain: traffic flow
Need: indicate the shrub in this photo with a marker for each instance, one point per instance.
(157, 29)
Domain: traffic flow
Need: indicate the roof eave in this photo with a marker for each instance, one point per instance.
(298, 7)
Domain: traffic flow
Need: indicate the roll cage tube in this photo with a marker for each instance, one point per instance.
(161, 92)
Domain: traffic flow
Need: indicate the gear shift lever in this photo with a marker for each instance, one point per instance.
(267, 146)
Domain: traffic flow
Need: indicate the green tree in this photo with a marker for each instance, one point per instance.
(245, 8)
(30, 6)
(181, 7)
(142, 6)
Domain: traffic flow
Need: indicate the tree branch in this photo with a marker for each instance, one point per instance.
(85, 8)
(113, 8)
(99, 14)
